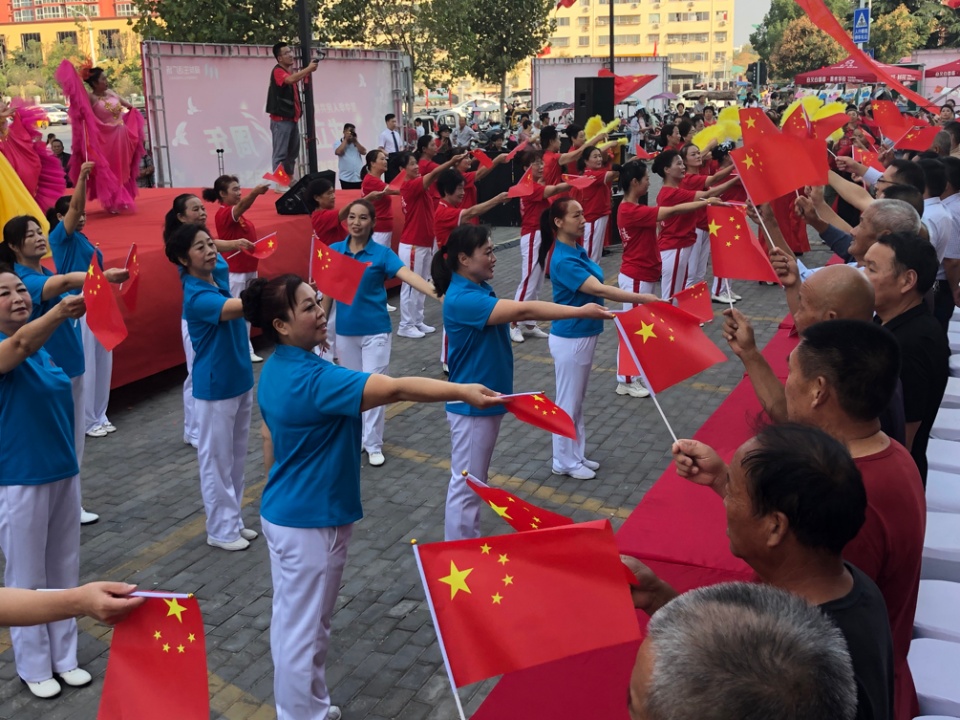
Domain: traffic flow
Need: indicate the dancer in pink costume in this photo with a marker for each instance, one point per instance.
(22, 145)
(108, 131)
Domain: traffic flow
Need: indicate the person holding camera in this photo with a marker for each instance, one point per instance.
(350, 155)
(283, 106)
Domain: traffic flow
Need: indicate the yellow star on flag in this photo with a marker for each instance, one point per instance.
(508, 579)
(503, 560)
(751, 122)
(191, 637)
(501, 511)
(457, 580)
(748, 161)
(166, 647)
(497, 598)
(646, 331)
(485, 549)
(156, 635)
(270, 244)
(180, 648)
(90, 271)
(713, 227)
(175, 608)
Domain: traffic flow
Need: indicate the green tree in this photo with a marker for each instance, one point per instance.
(257, 22)
(803, 47)
(896, 34)
(768, 35)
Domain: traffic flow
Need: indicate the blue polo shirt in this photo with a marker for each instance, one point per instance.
(312, 408)
(569, 269)
(71, 253)
(476, 352)
(65, 345)
(221, 276)
(221, 362)
(36, 423)
(368, 314)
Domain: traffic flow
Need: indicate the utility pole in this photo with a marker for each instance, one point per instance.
(306, 43)
(613, 52)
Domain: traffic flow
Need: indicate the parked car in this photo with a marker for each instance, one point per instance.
(56, 113)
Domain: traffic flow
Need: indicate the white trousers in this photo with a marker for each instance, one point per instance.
(370, 354)
(472, 439)
(673, 276)
(721, 285)
(79, 434)
(96, 378)
(306, 565)
(572, 360)
(191, 429)
(594, 234)
(636, 286)
(531, 274)
(699, 255)
(238, 283)
(383, 238)
(40, 538)
(417, 259)
(221, 455)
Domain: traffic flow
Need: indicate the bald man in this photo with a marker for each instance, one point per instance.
(835, 292)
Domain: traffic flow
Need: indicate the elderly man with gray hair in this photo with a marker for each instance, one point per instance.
(744, 651)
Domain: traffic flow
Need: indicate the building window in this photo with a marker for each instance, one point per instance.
(682, 38)
(687, 57)
(653, 38)
(68, 36)
(47, 13)
(619, 39)
(720, 57)
(688, 17)
(720, 37)
(22, 3)
(654, 17)
(22, 15)
(126, 10)
(583, 22)
(3, 46)
(563, 21)
(110, 42)
(720, 15)
(81, 10)
(27, 38)
(583, 41)
(559, 42)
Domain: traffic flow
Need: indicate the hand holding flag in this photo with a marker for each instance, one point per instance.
(524, 187)
(264, 247)
(519, 148)
(696, 301)
(482, 158)
(540, 411)
(103, 313)
(278, 176)
(735, 252)
(578, 181)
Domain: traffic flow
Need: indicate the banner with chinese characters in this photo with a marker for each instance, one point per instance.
(213, 98)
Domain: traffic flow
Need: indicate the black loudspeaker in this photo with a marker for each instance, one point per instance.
(292, 202)
(592, 96)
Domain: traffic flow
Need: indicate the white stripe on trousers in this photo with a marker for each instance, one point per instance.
(40, 538)
(306, 565)
(674, 272)
(369, 354)
(191, 430)
(238, 283)
(221, 455)
(96, 378)
(417, 259)
(699, 255)
(721, 285)
(572, 361)
(472, 439)
(531, 274)
(635, 286)
(593, 236)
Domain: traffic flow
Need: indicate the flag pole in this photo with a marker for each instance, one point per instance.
(653, 396)
(626, 341)
(436, 625)
(313, 239)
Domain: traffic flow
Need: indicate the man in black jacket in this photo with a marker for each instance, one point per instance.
(283, 106)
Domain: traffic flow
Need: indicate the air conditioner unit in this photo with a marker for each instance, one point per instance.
(722, 23)
(634, 5)
(655, 26)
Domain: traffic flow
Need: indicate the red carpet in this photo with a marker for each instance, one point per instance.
(679, 530)
(154, 343)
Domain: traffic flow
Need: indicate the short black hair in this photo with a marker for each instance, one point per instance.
(547, 135)
(909, 173)
(277, 47)
(952, 166)
(935, 175)
(908, 193)
(177, 246)
(808, 476)
(630, 171)
(449, 181)
(860, 361)
(953, 127)
(663, 161)
(388, 117)
(912, 252)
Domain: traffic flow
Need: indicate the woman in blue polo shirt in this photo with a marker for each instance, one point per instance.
(478, 329)
(23, 248)
(39, 484)
(312, 410)
(72, 251)
(577, 281)
(222, 383)
(363, 329)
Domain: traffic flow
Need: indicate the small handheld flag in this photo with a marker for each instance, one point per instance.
(336, 274)
(103, 313)
(279, 176)
(129, 289)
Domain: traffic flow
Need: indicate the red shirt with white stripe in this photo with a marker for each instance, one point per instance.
(417, 214)
(638, 231)
(230, 228)
(595, 197)
(678, 231)
(531, 208)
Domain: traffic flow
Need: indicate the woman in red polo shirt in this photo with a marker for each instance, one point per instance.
(470, 180)
(372, 184)
(231, 225)
(596, 200)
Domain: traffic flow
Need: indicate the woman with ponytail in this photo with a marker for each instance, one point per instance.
(313, 410)
(479, 350)
(373, 183)
(577, 282)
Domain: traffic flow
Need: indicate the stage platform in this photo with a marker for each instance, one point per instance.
(154, 342)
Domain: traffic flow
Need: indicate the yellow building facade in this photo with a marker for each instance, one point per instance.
(107, 35)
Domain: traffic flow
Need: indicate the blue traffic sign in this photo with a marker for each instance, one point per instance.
(861, 25)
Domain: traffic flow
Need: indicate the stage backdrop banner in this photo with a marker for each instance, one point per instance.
(201, 98)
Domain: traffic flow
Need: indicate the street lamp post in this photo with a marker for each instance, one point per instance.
(93, 47)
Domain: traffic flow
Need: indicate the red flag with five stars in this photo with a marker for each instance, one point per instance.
(103, 313)
(524, 186)
(336, 274)
(264, 247)
(773, 166)
(130, 288)
(519, 148)
(158, 664)
(756, 124)
(666, 344)
(542, 412)
(887, 117)
(735, 252)
(515, 511)
(578, 181)
(482, 158)
(868, 158)
(625, 85)
(279, 176)
(510, 602)
(917, 138)
(696, 301)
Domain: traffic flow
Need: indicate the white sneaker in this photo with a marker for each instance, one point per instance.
(736, 297)
(188, 441)
(45, 689)
(88, 518)
(516, 334)
(109, 427)
(254, 358)
(410, 332)
(578, 473)
(446, 369)
(334, 713)
(376, 459)
(633, 389)
(239, 544)
(96, 432)
(78, 677)
(391, 308)
(249, 534)
(723, 298)
(533, 332)
(591, 464)
(426, 329)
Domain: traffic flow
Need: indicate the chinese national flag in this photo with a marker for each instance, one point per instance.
(825, 127)
(578, 181)
(776, 165)
(666, 344)
(696, 301)
(756, 125)
(524, 187)
(917, 138)
(889, 119)
(158, 664)
(644, 155)
(798, 124)
(511, 602)
(735, 252)
(519, 148)
(103, 312)
(336, 274)
(868, 158)
(482, 158)
(130, 289)
(625, 85)
(540, 411)
(516, 512)
(279, 176)
(264, 247)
